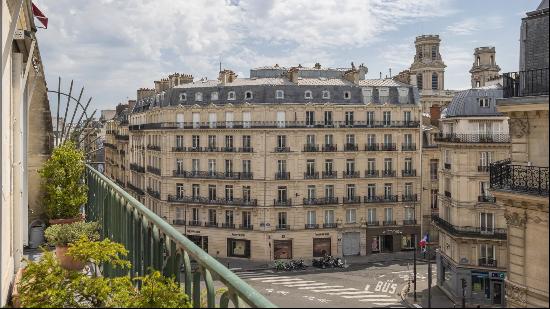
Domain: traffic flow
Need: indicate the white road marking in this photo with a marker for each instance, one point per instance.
(298, 283)
(351, 293)
(266, 278)
(386, 304)
(368, 296)
(334, 290)
(309, 284)
(234, 269)
(281, 280)
(393, 300)
(321, 287)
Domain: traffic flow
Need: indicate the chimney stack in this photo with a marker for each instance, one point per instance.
(435, 114)
(227, 76)
(161, 85)
(144, 93)
(293, 74)
(352, 75)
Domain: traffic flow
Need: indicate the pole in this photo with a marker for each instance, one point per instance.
(429, 277)
(463, 281)
(414, 271)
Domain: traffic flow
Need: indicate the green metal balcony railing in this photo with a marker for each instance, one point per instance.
(154, 243)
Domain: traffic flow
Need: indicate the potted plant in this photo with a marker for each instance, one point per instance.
(62, 235)
(65, 190)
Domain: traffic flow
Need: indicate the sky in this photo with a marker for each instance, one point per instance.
(114, 47)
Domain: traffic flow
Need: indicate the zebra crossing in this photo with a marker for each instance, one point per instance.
(379, 295)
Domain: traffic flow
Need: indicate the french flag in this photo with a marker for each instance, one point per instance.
(423, 241)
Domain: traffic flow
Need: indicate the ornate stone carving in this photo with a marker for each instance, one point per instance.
(518, 127)
(515, 293)
(515, 219)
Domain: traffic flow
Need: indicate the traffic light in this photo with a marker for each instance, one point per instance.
(463, 283)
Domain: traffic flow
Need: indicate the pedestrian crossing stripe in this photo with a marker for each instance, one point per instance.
(265, 278)
(350, 293)
(306, 285)
(393, 300)
(281, 280)
(367, 296)
(321, 287)
(330, 290)
(297, 283)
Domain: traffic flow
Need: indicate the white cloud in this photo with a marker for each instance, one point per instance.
(117, 46)
(471, 25)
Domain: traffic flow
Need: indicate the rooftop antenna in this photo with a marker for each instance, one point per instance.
(390, 72)
(380, 75)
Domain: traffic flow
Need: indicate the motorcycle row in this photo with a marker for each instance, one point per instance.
(323, 262)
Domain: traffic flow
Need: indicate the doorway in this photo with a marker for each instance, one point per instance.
(387, 243)
(497, 293)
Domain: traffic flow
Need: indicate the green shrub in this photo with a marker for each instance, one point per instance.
(64, 234)
(45, 284)
(62, 175)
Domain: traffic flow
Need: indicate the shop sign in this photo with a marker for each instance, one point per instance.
(322, 234)
(496, 275)
(238, 234)
(392, 232)
(193, 231)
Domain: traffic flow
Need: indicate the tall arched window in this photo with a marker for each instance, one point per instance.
(478, 60)
(419, 81)
(434, 52)
(435, 82)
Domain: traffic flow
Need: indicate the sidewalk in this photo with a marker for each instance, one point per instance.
(241, 264)
(439, 299)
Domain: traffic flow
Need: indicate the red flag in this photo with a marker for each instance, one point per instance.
(40, 16)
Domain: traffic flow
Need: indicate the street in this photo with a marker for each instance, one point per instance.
(358, 286)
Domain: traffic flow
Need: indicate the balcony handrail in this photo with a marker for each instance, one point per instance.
(525, 83)
(469, 231)
(122, 217)
(472, 138)
(525, 179)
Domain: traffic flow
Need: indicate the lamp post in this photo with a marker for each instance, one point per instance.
(463, 281)
(414, 255)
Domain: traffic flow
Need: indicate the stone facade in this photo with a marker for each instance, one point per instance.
(250, 177)
(484, 68)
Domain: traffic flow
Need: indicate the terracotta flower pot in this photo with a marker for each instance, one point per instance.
(67, 262)
(66, 221)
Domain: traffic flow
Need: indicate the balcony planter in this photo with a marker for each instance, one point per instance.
(62, 235)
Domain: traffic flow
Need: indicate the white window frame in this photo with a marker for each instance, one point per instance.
(247, 93)
(347, 95)
(231, 96)
(329, 216)
(308, 94)
(214, 96)
(279, 94)
(198, 96)
(371, 215)
(311, 217)
(183, 96)
(351, 215)
(326, 94)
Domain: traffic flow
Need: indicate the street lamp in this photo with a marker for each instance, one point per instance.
(463, 281)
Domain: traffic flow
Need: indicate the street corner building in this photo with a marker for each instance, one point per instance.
(289, 163)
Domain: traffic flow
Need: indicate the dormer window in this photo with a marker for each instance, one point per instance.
(198, 96)
(326, 94)
(308, 94)
(248, 95)
(214, 96)
(347, 95)
(484, 102)
(183, 96)
(231, 95)
(279, 94)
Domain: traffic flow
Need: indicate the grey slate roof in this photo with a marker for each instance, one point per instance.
(264, 89)
(466, 103)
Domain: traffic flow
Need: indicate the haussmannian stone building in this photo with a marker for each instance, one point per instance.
(289, 163)
(520, 184)
(471, 227)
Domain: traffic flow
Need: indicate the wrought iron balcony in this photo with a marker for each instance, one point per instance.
(409, 197)
(122, 137)
(226, 225)
(212, 149)
(311, 226)
(124, 218)
(380, 199)
(211, 224)
(351, 147)
(351, 200)
(287, 202)
(246, 226)
(282, 175)
(372, 147)
(409, 222)
(312, 175)
(389, 147)
(330, 225)
(137, 168)
(373, 223)
(246, 149)
(321, 201)
(350, 174)
(282, 149)
(525, 83)
(211, 175)
(472, 138)
(389, 222)
(282, 227)
(388, 173)
(408, 147)
(153, 193)
(208, 201)
(532, 180)
(135, 189)
(469, 231)
(372, 173)
(483, 169)
(153, 170)
(196, 149)
(486, 199)
(195, 223)
(487, 262)
(331, 174)
(229, 149)
(153, 147)
(178, 222)
(408, 173)
(311, 148)
(330, 147)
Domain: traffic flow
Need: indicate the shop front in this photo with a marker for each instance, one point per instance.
(282, 249)
(391, 239)
(238, 248)
(351, 243)
(321, 247)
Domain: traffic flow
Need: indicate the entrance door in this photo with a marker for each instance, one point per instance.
(387, 245)
(350, 244)
(282, 249)
(321, 247)
(497, 293)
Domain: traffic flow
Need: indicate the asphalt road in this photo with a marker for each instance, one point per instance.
(358, 286)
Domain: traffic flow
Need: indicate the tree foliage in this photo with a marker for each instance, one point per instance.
(62, 180)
